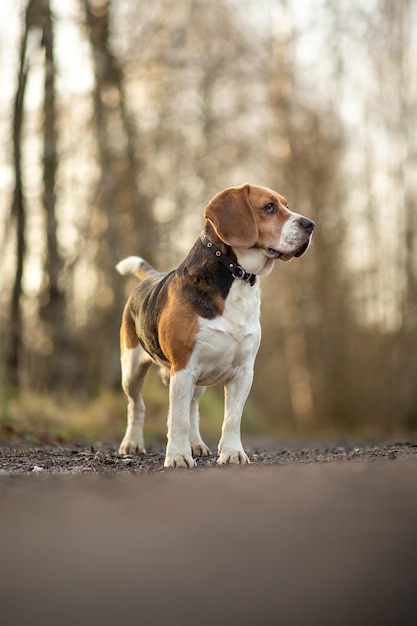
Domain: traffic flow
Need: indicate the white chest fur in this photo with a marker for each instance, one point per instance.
(230, 340)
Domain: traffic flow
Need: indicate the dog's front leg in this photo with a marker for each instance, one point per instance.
(198, 446)
(181, 390)
(236, 392)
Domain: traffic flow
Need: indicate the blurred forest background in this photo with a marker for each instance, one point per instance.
(121, 119)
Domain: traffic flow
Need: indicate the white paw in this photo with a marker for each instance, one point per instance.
(234, 457)
(200, 449)
(131, 446)
(179, 460)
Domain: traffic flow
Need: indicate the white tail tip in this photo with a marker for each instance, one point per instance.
(130, 265)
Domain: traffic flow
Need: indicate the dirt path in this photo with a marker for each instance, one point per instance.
(314, 535)
(78, 459)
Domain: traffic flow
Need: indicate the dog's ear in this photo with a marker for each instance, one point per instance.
(232, 217)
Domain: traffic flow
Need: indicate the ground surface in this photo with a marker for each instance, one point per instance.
(304, 535)
(23, 458)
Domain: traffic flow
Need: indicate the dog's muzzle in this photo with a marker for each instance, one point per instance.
(308, 225)
(303, 248)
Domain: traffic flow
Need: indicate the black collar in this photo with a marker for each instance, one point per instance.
(235, 269)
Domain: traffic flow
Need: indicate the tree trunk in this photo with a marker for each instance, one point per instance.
(52, 298)
(121, 216)
(292, 323)
(14, 340)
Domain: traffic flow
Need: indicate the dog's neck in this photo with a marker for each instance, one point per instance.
(235, 269)
(219, 243)
(251, 259)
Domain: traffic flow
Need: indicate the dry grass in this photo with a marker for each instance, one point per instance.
(63, 417)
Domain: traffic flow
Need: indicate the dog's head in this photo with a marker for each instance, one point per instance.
(256, 217)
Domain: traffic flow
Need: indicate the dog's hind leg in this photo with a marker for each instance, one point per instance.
(198, 446)
(135, 365)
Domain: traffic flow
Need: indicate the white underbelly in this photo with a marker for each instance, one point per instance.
(218, 360)
(227, 343)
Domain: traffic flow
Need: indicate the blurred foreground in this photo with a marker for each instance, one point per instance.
(297, 544)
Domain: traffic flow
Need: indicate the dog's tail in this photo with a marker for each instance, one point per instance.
(137, 266)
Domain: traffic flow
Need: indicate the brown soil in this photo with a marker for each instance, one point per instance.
(23, 458)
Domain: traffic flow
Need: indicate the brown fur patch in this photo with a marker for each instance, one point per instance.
(128, 336)
(178, 326)
(229, 208)
(269, 226)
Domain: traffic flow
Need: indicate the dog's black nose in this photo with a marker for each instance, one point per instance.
(307, 224)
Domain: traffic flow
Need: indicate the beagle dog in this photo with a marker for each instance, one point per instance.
(200, 322)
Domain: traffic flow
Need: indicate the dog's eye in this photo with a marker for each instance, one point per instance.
(271, 207)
